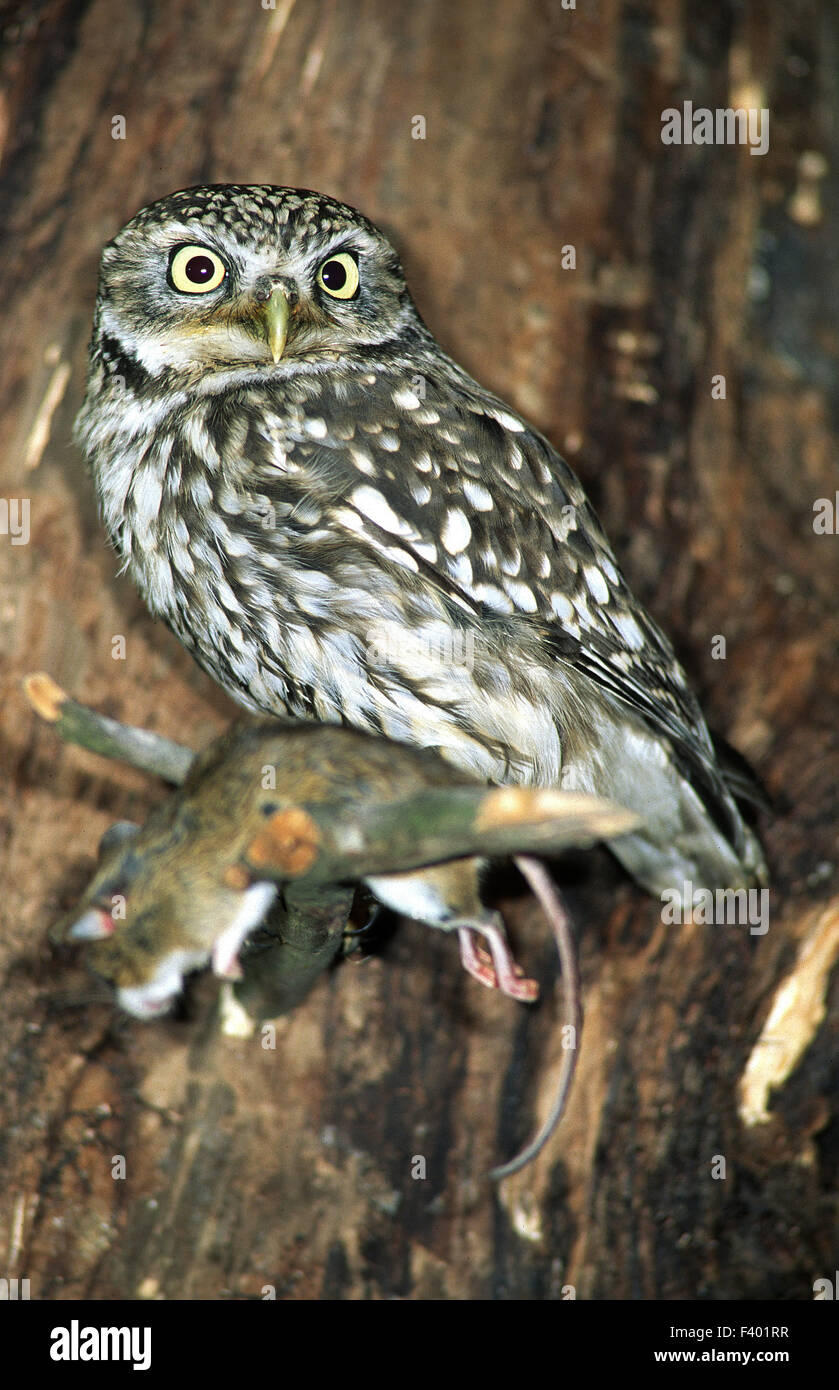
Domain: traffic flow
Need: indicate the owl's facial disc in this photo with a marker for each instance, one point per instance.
(199, 294)
(338, 277)
(197, 271)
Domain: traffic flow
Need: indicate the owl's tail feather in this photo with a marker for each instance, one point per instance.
(689, 853)
(740, 777)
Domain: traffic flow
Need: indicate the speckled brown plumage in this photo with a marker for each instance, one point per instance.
(353, 530)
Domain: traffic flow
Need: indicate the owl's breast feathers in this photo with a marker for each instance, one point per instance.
(387, 545)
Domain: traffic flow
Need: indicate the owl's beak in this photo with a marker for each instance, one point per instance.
(275, 313)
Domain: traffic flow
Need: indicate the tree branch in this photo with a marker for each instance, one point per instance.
(75, 723)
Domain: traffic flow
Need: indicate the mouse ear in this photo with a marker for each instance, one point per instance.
(93, 925)
(117, 834)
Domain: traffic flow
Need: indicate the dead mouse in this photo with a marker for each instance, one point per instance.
(182, 891)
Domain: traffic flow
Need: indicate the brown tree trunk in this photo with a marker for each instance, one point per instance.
(298, 1167)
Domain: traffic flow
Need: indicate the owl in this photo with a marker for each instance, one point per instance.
(343, 526)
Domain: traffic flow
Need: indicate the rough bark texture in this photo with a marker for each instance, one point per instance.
(292, 1167)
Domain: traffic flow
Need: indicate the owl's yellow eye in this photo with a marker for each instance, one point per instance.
(196, 270)
(339, 276)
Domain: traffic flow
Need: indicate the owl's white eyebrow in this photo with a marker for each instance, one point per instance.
(203, 243)
(347, 243)
(191, 236)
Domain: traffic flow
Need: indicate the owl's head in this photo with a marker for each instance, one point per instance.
(233, 275)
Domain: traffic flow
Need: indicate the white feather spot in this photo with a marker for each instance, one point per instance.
(199, 440)
(426, 551)
(404, 558)
(202, 494)
(421, 493)
(145, 494)
(422, 462)
(389, 441)
(237, 544)
(227, 597)
(508, 421)
(315, 426)
(511, 564)
(581, 608)
(456, 533)
(597, 586)
(628, 629)
(461, 569)
(207, 555)
(477, 496)
(362, 460)
(350, 519)
(521, 595)
(493, 598)
(158, 585)
(377, 509)
(563, 608)
(407, 399)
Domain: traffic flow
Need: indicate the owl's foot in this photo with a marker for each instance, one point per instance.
(495, 968)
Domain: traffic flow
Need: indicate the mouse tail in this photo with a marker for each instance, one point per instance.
(545, 890)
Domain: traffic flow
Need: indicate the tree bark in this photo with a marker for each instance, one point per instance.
(698, 1157)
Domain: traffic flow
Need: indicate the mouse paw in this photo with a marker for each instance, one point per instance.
(506, 974)
(226, 962)
(475, 959)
